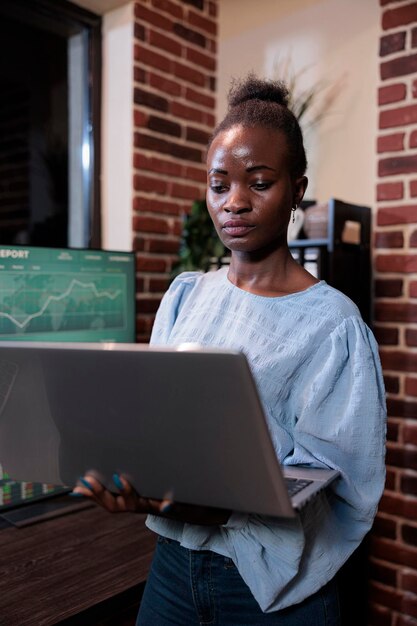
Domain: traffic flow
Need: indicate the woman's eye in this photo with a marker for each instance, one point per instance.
(218, 188)
(260, 186)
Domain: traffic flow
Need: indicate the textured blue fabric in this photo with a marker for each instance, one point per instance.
(317, 367)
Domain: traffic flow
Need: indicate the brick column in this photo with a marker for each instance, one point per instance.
(174, 101)
(394, 549)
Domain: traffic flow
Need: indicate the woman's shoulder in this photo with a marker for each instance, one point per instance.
(329, 302)
(188, 280)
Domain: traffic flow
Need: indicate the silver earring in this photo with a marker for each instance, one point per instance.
(293, 213)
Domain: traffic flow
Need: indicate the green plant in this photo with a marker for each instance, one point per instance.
(200, 246)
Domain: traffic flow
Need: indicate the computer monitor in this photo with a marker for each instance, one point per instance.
(57, 294)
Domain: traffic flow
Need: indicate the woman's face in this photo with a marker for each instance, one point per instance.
(250, 192)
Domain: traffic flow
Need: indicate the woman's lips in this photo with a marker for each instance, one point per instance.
(237, 229)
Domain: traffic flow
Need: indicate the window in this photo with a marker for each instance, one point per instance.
(50, 69)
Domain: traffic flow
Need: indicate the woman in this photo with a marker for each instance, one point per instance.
(318, 372)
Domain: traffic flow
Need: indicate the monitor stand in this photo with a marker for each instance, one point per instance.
(44, 509)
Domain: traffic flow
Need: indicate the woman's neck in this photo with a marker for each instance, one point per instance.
(276, 275)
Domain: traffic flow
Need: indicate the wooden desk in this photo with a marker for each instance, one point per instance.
(74, 569)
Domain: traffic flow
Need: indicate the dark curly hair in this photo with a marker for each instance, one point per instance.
(257, 102)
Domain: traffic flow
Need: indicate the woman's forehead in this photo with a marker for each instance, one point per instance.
(242, 143)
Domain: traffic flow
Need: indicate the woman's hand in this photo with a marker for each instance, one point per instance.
(127, 499)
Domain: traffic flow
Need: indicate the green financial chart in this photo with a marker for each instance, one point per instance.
(66, 295)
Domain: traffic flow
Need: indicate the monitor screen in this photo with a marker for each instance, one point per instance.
(57, 294)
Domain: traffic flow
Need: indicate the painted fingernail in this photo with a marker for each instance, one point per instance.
(118, 482)
(166, 508)
(85, 483)
(76, 494)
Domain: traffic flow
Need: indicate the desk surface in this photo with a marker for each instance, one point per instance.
(57, 568)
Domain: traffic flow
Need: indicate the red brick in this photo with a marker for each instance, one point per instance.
(411, 387)
(212, 9)
(150, 224)
(413, 139)
(392, 43)
(388, 550)
(189, 34)
(200, 98)
(411, 337)
(392, 434)
(388, 216)
(149, 142)
(202, 23)
(139, 31)
(390, 479)
(401, 116)
(391, 93)
(193, 173)
(140, 75)
(165, 43)
(404, 263)
(414, 37)
(413, 188)
(395, 312)
(388, 288)
(410, 435)
(386, 336)
(145, 304)
(197, 135)
(399, 361)
(379, 616)
(153, 205)
(392, 384)
(146, 183)
(397, 165)
(203, 60)
(399, 16)
(163, 246)
(189, 192)
(390, 239)
(390, 191)
(409, 581)
(189, 74)
(414, 89)
(159, 284)
(402, 408)
(155, 164)
(391, 143)
(413, 239)
(152, 17)
(403, 456)
(150, 100)
(187, 112)
(385, 527)
(408, 483)
(167, 6)
(140, 118)
(154, 59)
(171, 87)
(163, 126)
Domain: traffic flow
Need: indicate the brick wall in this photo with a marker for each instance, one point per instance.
(394, 545)
(174, 101)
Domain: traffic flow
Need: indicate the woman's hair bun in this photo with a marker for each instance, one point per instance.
(253, 88)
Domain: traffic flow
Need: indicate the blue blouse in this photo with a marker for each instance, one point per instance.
(317, 368)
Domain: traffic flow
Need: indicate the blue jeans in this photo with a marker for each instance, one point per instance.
(191, 588)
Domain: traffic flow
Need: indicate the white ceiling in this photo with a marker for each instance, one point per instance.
(100, 6)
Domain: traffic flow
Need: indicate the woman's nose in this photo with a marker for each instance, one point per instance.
(237, 201)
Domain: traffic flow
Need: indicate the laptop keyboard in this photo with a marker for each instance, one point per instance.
(294, 485)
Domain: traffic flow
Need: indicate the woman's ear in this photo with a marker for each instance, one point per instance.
(300, 187)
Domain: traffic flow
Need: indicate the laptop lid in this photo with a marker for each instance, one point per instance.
(187, 424)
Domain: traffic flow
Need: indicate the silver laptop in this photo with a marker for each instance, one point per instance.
(185, 423)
